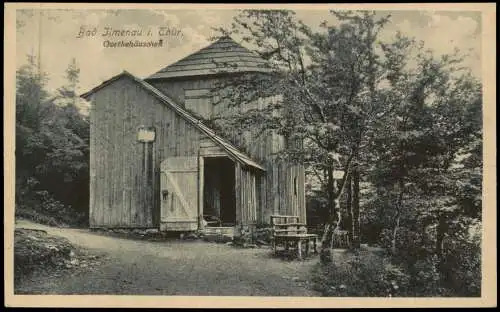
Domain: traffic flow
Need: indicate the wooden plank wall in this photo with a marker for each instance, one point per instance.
(118, 197)
(276, 194)
(176, 88)
(246, 198)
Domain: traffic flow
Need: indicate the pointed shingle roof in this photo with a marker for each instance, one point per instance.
(223, 55)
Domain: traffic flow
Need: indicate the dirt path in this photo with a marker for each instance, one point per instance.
(173, 268)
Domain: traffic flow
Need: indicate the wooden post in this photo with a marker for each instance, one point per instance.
(201, 186)
(237, 190)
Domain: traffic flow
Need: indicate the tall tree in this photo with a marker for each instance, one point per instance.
(51, 141)
(328, 83)
(418, 148)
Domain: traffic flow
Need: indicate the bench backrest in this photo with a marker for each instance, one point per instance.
(277, 219)
(282, 224)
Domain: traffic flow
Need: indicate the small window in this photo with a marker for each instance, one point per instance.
(295, 186)
(199, 102)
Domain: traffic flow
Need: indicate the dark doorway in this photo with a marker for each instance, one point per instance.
(219, 194)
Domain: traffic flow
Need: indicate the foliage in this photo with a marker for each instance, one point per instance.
(361, 274)
(390, 113)
(34, 248)
(52, 148)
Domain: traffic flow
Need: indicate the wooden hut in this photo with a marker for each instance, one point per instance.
(155, 164)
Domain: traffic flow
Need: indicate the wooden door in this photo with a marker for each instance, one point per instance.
(179, 194)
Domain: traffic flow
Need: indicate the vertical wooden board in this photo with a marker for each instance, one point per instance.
(243, 196)
(303, 195)
(149, 182)
(98, 170)
(102, 168)
(245, 192)
(276, 188)
(105, 167)
(92, 165)
(144, 117)
(201, 185)
(248, 189)
(156, 165)
(120, 153)
(291, 191)
(284, 190)
(169, 135)
(178, 135)
(249, 196)
(97, 161)
(295, 185)
(163, 200)
(107, 208)
(123, 167)
(152, 185)
(111, 164)
(115, 161)
(289, 194)
(237, 187)
(263, 205)
(173, 134)
(188, 137)
(137, 165)
(282, 183)
(254, 198)
(132, 164)
(258, 207)
(181, 137)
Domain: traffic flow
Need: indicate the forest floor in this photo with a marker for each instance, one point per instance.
(171, 267)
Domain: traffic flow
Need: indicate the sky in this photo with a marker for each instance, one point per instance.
(57, 39)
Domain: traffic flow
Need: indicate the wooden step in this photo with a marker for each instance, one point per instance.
(219, 230)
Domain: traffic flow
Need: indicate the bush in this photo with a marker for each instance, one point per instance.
(35, 216)
(42, 208)
(34, 248)
(462, 264)
(459, 274)
(425, 278)
(361, 275)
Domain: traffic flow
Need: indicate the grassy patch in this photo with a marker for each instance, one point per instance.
(364, 273)
(35, 250)
(38, 217)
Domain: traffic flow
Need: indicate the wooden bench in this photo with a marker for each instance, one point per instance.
(289, 232)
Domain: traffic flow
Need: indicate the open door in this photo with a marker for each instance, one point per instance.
(179, 194)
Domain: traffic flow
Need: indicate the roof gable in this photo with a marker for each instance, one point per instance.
(232, 151)
(222, 56)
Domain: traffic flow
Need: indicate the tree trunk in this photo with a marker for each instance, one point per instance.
(349, 220)
(395, 233)
(356, 231)
(442, 228)
(331, 191)
(325, 255)
(397, 219)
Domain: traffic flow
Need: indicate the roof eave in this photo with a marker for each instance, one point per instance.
(236, 155)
